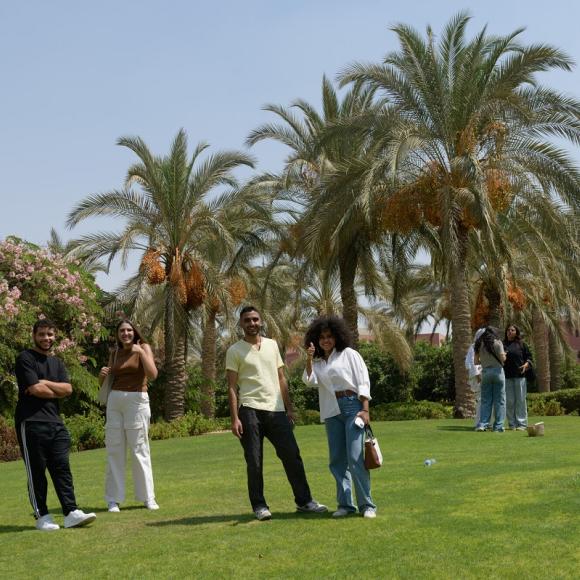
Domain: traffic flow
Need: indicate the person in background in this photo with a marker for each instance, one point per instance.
(490, 354)
(518, 361)
(43, 439)
(342, 378)
(262, 408)
(128, 415)
(474, 375)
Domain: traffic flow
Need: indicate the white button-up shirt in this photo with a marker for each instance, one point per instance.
(343, 370)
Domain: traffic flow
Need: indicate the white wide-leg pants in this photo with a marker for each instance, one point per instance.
(127, 426)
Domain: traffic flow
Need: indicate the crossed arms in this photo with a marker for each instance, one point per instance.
(46, 389)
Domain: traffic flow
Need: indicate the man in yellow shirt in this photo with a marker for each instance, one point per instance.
(262, 408)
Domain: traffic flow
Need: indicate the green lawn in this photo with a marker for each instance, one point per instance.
(494, 506)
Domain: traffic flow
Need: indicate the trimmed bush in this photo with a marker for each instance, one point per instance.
(9, 450)
(571, 377)
(388, 383)
(87, 431)
(303, 397)
(568, 399)
(434, 376)
(540, 406)
(411, 411)
(186, 426)
(307, 417)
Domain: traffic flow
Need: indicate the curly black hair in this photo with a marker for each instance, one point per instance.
(337, 327)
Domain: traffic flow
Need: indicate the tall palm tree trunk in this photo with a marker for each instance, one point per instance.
(540, 334)
(461, 316)
(208, 363)
(493, 296)
(556, 360)
(174, 361)
(347, 267)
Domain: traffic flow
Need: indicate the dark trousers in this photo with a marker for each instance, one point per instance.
(276, 427)
(46, 446)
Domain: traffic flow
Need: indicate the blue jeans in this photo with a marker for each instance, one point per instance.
(516, 407)
(492, 396)
(346, 451)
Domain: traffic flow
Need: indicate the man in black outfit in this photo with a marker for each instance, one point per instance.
(43, 438)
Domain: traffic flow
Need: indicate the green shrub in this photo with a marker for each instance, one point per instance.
(193, 394)
(571, 377)
(87, 431)
(567, 399)
(302, 396)
(433, 372)
(388, 382)
(411, 411)
(8, 398)
(186, 426)
(307, 417)
(9, 450)
(541, 406)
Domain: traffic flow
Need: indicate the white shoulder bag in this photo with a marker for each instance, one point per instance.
(107, 384)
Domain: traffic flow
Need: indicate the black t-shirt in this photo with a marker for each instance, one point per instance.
(31, 367)
(517, 353)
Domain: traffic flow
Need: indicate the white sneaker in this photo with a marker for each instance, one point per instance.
(341, 513)
(263, 514)
(369, 514)
(46, 524)
(151, 504)
(78, 518)
(113, 507)
(312, 507)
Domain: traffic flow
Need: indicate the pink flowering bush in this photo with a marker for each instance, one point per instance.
(35, 283)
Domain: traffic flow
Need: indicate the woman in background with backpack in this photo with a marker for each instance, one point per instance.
(490, 355)
(518, 361)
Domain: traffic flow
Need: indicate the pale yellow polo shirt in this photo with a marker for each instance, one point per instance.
(257, 374)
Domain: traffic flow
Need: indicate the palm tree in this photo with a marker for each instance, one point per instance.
(229, 275)
(70, 252)
(168, 217)
(319, 177)
(469, 131)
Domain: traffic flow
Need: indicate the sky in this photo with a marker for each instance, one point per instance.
(77, 75)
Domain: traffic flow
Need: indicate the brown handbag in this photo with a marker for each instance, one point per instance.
(373, 455)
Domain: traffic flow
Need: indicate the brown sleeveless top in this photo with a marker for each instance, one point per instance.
(128, 372)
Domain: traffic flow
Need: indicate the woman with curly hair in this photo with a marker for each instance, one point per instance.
(342, 379)
(490, 354)
(518, 361)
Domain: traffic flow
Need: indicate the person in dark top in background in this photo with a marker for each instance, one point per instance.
(44, 440)
(518, 361)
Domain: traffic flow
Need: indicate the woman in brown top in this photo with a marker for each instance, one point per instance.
(128, 415)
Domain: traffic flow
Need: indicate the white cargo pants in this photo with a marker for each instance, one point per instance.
(127, 426)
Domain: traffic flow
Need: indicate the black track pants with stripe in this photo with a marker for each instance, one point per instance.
(46, 446)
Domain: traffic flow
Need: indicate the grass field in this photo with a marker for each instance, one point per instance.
(493, 506)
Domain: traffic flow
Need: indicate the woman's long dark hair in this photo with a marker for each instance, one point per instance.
(488, 337)
(518, 337)
(337, 327)
(137, 337)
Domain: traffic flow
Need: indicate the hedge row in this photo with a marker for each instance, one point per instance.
(88, 431)
(565, 400)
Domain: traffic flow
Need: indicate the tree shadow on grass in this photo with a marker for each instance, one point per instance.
(232, 519)
(12, 529)
(455, 428)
